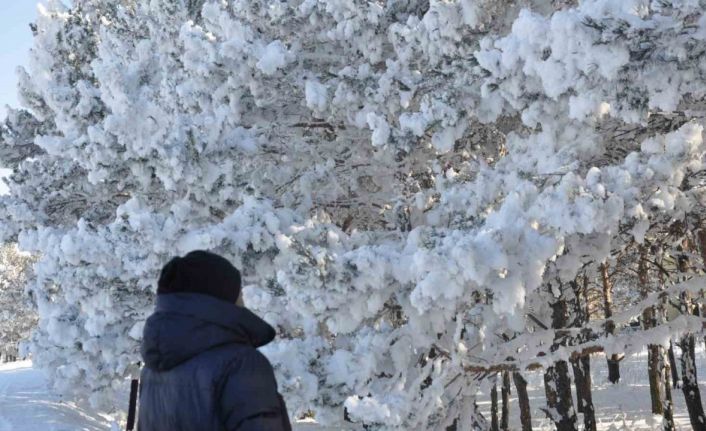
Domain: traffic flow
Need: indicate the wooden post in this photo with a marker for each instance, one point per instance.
(132, 408)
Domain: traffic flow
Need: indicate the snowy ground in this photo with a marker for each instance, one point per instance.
(27, 405)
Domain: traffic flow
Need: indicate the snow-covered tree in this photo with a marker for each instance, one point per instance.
(401, 182)
(18, 315)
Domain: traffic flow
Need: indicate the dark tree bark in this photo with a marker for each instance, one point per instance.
(654, 366)
(584, 399)
(690, 384)
(613, 360)
(557, 385)
(557, 382)
(673, 365)
(655, 360)
(661, 364)
(494, 408)
(578, 383)
(582, 364)
(668, 422)
(523, 401)
(701, 242)
(613, 369)
(505, 392)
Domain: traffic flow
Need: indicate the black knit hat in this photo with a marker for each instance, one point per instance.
(200, 272)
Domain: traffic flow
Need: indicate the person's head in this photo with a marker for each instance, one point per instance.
(201, 272)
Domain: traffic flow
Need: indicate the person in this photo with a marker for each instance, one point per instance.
(202, 368)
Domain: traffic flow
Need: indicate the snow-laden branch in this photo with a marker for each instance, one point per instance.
(562, 347)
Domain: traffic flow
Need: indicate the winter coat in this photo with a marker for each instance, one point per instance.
(202, 369)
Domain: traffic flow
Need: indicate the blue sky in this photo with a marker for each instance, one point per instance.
(15, 42)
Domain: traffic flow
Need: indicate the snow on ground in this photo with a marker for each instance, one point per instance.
(26, 404)
(624, 406)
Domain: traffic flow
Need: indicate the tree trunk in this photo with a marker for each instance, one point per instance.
(523, 401)
(701, 241)
(557, 385)
(654, 375)
(505, 392)
(655, 360)
(584, 399)
(613, 360)
(582, 364)
(667, 403)
(557, 382)
(494, 408)
(613, 369)
(690, 384)
(578, 383)
(673, 365)
(664, 374)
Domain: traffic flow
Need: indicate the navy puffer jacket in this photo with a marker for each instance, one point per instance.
(202, 369)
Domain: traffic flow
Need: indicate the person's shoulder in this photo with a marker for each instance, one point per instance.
(251, 359)
(249, 368)
(241, 358)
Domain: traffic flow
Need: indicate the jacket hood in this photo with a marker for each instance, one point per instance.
(186, 324)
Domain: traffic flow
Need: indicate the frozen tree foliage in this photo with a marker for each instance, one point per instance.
(18, 315)
(400, 181)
